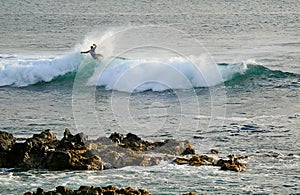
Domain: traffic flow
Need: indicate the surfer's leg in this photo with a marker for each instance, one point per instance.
(99, 55)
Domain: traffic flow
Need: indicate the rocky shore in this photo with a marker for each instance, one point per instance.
(76, 152)
(86, 190)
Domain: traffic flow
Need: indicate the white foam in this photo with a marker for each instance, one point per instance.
(28, 69)
(161, 74)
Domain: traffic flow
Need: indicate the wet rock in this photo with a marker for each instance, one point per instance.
(77, 152)
(196, 161)
(32, 152)
(7, 141)
(70, 141)
(28, 193)
(134, 142)
(131, 150)
(45, 151)
(232, 164)
(84, 190)
(220, 162)
(63, 190)
(214, 151)
(46, 136)
(40, 191)
(74, 159)
(181, 161)
(188, 150)
(59, 160)
(116, 137)
(172, 147)
(71, 153)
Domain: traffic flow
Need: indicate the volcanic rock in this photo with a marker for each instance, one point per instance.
(233, 164)
(7, 140)
(84, 190)
(188, 150)
(77, 152)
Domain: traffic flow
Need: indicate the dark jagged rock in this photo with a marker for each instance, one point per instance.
(188, 150)
(59, 160)
(77, 152)
(45, 151)
(7, 140)
(63, 190)
(72, 153)
(71, 142)
(40, 191)
(214, 151)
(232, 164)
(130, 150)
(134, 142)
(84, 190)
(32, 152)
(116, 137)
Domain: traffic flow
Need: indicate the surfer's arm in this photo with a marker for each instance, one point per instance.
(85, 51)
(95, 46)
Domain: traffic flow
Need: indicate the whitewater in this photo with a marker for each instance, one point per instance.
(118, 73)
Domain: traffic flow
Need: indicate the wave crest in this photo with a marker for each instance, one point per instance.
(27, 70)
(161, 74)
(131, 74)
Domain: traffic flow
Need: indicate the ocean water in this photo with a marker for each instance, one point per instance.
(221, 74)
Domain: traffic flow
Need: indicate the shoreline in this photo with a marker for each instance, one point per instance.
(84, 190)
(77, 152)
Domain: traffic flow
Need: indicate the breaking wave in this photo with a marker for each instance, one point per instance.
(130, 74)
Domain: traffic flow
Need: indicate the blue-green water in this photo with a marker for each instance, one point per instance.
(222, 74)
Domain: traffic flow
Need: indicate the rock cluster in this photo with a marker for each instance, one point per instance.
(232, 164)
(45, 151)
(84, 190)
(76, 152)
(119, 151)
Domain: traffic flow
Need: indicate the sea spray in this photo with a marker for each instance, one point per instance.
(104, 42)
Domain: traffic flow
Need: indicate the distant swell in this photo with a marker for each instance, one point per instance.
(259, 73)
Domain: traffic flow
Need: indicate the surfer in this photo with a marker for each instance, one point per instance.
(93, 52)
